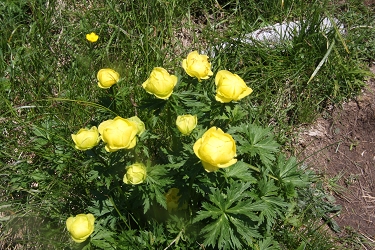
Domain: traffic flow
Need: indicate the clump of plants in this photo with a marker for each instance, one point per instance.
(187, 169)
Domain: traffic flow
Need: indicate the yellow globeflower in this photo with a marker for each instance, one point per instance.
(196, 65)
(80, 227)
(118, 133)
(186, 123)
(92, 37)
(160, 83)
(107, 77)
(230, 87)
(86, 138)
(135, 174)
(215, 149)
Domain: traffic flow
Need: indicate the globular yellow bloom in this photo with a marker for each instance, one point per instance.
(196, 65)
(107, 77)
(186, 123)
(118, 133)
(215, 149)
(92, 37)
(135, 174)
(140, 125)
(80, 227)
(230, 87)
(86, 138)
(172, 198)
(160, 83)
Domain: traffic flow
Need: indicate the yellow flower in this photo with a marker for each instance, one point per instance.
(230, 87)
(107, 77)
(92, 37)
(196, 65)
(172, 198)
(160, 83)
(86, 138)
(215, 149)
(140, 125)
(186, 123)
(135, 174)
(80, 227)
(118, 133)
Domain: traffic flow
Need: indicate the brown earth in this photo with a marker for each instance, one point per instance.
(341, 146)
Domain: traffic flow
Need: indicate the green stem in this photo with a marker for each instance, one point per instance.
(122, 217)
(92, 104)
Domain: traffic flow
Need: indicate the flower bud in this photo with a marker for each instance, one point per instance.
(135, 174)
(160, 83)
(230, 87)
(196, 65)
(80, 227)
(140, 125)
(215, 149)
(86, 138)
(107, 77)
(118, 133)
(186, 123)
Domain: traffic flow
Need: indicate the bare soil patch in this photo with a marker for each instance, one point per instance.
(341, 146)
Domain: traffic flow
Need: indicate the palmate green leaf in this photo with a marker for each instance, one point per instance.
(255, 141)
(273, 204)
(274, 207)
(247, 208)
(267, 187)
(217, 232)
(157, 179)
(236, 193)
(287, 172)
(240, 171)
(248, 233)
(230, 215)
(100, 207)
(267, 244)
(102, 238)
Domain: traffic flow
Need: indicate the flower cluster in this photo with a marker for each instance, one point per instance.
(229, 86)
(215, 149)
(118, 133)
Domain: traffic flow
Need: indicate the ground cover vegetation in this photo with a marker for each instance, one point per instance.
(127, 124)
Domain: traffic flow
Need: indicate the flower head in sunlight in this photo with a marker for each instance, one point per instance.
(196, 65)
(215, 149)
(80, 226)
(92, 37)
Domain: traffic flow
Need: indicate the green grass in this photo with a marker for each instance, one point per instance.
(48, 91)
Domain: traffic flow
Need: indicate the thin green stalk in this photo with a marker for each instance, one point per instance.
(118, 211)
(92, 104)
